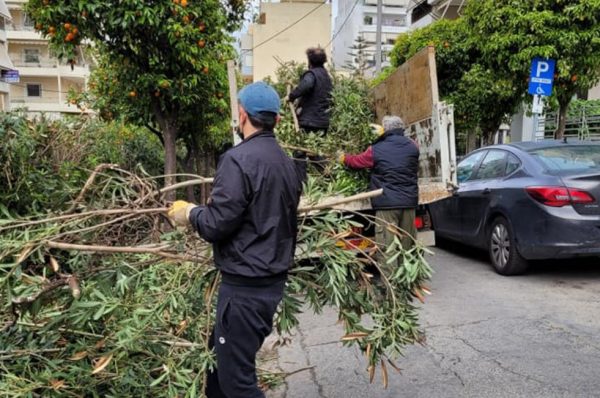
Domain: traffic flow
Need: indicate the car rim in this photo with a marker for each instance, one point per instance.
(500, 245)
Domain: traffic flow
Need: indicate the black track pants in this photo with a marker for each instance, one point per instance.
(244, 319)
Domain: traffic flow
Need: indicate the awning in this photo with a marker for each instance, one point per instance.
(4, 10)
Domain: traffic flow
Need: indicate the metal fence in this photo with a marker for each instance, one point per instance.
(583, 123)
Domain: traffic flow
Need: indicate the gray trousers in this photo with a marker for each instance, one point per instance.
(404, 219)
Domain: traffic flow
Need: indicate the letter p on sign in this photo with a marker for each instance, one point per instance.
(542, 67)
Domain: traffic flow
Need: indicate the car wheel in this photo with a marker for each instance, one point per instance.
(503, 250)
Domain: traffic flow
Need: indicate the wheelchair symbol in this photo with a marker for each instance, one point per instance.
(539, 90)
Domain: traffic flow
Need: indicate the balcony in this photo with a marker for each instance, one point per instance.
(22, 32)
(49, 67)
(43, 104)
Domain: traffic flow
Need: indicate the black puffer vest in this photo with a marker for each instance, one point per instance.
(396, 170)
(316, 104)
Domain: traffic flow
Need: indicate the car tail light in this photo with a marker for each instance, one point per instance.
(559, 196)
(578, 196)
(419, 223)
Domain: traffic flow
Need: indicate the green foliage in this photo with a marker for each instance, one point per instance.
(483, 59)
(66, 314)
(44, 162)
(161, 64)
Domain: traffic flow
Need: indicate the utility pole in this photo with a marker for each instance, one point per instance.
(378, 36)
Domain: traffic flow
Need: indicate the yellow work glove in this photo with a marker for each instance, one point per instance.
(341, 157)
(377, 129)
(179, 212)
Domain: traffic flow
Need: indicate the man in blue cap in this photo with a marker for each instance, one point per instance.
(251, 220)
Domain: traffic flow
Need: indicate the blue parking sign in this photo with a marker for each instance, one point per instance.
(542, 76)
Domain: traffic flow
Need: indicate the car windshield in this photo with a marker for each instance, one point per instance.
(569, 159)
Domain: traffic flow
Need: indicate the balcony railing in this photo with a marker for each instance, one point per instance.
(41, 62)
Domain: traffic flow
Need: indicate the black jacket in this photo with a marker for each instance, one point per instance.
(396, 170)
(314, 91)
(251, 218)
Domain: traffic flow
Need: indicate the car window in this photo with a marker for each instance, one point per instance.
(512, 164)
(569, 159)
(467, 166)
(493, 165)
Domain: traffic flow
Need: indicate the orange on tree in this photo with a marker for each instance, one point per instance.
(132, 94)
(202, 27)
(205, 70)
(67, 26)
(184, 3)
(201, 43)
(69, 37)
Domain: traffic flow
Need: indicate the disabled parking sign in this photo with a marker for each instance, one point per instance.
(542, 76)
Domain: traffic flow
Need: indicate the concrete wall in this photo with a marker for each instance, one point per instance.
(594, 93)
(313, 31)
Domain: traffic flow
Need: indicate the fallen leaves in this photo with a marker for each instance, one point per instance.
(101, 363)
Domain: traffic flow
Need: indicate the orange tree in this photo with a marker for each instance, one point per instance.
(162, 64)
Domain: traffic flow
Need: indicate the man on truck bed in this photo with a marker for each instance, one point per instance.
(314, 92)
(394, 163)
(251, 220)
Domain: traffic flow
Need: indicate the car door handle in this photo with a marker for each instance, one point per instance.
(487, 191)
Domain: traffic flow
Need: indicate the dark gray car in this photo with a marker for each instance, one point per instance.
(525, 201)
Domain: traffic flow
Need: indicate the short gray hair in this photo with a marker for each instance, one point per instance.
(392, 122)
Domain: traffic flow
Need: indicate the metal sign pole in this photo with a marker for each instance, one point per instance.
(231, 75)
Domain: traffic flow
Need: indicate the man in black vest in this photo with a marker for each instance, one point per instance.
(394, 163)
(314, 93)
(251, 220)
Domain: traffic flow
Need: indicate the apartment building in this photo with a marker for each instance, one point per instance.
(356, 22)
(43, 81)
(5, 64)
(282, 32)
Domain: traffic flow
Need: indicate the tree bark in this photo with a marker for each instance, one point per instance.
(562, 120)
(170, 137)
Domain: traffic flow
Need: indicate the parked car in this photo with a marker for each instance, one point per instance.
(525, 201)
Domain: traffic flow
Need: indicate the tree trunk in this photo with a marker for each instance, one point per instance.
(562, 120)
(170, 137)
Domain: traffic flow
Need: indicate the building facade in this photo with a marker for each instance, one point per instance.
(44, 81)
(5, 62)
(355, 30)
(281, 33)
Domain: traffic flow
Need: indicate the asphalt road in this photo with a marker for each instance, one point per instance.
(536, 335)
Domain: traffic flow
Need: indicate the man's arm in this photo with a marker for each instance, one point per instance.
(304, 87)
(361, 161)
(228, 202)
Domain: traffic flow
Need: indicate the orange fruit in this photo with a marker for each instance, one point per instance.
(132, 94)
(574, 78)
(69, 37)
(46, 2)
(201, 43)
(38, 26)
(67, 26)
(157, 93)
(184, 3)
(186, 19)
(51, 29)
(75, 31)
(202, 26)
(205, 70)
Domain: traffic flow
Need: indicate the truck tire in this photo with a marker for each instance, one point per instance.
(504, 255)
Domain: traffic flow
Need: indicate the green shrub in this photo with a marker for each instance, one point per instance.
(43, 163)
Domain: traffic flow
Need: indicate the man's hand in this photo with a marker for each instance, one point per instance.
(179, 212)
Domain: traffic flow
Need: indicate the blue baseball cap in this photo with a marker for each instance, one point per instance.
(259, 97)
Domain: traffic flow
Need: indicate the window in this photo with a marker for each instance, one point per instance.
(34, 90)
(368, 20)
(32, 55)
(493, 166)
(569, 159)
(512, 164)
(466, 167)
(28, 22)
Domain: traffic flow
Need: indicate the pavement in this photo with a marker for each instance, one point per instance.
(536, 335)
